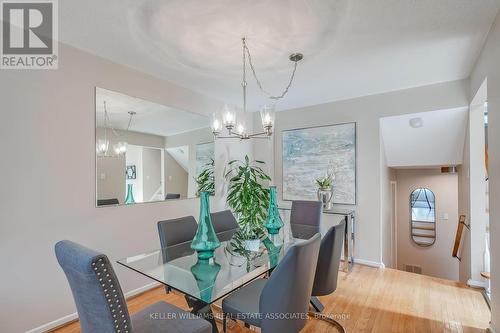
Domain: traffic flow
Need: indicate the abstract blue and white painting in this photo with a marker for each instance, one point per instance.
(308, 154)
(204, 156)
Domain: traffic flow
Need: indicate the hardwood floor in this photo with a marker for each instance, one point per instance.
(376, 300)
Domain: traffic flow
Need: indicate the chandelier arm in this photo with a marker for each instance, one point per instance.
(262, 135)
(259, 84)
(229, 137)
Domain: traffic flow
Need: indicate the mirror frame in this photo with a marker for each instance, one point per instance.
(419, 227)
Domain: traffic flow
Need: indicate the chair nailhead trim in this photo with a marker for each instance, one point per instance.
(107, 282)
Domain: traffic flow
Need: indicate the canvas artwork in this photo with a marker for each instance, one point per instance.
(204, 156)
(308, 153)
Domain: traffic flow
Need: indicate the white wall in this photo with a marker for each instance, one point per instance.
(366, 112)
(48, 190)
(152, 174)
(438, 142)
(176, 178)
(477, 187)
(435, 260)
(134, 157)
(191, 139)
(488, 66)
(464, 209)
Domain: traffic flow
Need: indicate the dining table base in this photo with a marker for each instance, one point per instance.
(204, 310)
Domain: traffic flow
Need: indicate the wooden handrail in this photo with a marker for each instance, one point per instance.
(458, 236)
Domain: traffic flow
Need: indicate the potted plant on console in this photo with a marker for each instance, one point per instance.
(325, 190)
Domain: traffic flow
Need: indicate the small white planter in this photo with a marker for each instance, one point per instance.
(252, 245)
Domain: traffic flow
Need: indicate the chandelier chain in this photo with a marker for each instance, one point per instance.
(259, 83)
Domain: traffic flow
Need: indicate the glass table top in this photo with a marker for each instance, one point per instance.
(231, 267)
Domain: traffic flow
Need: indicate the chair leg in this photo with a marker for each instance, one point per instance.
(320, 316)
(316, 304)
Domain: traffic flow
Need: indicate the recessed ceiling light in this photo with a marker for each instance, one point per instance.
(416, 122)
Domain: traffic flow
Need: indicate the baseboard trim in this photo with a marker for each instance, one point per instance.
(369, 263)
(477, 284)
(74, 316)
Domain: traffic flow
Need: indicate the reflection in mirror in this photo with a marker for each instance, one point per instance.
(423, 217)
(148, 152)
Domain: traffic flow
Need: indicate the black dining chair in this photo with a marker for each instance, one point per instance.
(101, 304)
(327, 270)
(107, 202)
(171, 196)
(305, 218)
(176, 231)
(225, 225)
(280, 303)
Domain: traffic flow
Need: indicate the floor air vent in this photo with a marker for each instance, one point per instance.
(413, 269)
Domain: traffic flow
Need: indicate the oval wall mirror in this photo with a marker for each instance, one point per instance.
(423, 217)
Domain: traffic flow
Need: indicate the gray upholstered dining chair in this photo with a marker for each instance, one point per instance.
(280, 303)
(176, 231)
(305, 218)
(101, 304)
(327, 270)
(225, 225)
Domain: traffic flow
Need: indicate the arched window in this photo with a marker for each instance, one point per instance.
(423, 217)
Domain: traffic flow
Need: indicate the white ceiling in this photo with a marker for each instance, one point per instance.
(351, 47)
(151, 118)
(439, 142)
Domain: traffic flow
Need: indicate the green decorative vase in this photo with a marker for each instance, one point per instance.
(273, 222)
(130, 195)
(205, 274)
(273, 245)
(205, 241)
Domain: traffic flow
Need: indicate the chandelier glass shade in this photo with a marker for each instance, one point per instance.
(102, 146)
(120, 148)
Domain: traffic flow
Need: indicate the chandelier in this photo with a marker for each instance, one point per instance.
(236, 129)
(102, 145)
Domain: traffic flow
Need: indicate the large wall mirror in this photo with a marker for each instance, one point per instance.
(147, 152)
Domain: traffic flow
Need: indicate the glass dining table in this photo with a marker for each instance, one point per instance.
(203, 282)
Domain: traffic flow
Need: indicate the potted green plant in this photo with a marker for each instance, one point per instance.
(325, 190)
(205, 181)
(248, 199)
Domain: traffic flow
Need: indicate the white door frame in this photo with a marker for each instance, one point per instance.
(394, 224)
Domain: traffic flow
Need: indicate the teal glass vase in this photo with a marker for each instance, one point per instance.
(273, 244)
(205, 241)
(130, 194)
(273, 222)
(205, 274)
